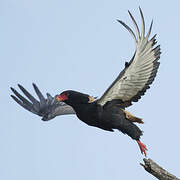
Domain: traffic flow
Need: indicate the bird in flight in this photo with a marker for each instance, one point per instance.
(108, 112)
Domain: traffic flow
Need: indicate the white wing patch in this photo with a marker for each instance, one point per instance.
(133, 81)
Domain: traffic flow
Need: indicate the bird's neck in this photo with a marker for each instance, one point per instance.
(79, 107)
(84, 107)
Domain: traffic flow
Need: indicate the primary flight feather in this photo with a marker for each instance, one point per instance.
(136, 77)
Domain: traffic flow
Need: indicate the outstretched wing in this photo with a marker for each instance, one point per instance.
(46, 108)
(139, 73)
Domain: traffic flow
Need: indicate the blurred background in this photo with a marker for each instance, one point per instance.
(79, 45)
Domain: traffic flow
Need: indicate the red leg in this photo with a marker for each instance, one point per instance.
(142, 147)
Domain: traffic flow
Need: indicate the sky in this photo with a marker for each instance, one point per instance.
(79, 45)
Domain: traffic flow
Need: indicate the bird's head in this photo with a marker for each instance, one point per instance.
(74, 98)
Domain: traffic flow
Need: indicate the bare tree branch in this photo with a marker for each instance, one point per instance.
(151, 167)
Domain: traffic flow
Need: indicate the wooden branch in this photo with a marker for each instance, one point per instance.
(151, 167)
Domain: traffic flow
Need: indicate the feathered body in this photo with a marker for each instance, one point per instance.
(108, 112)
(107, 117)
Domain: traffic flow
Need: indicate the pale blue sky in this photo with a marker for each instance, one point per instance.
(79, 45)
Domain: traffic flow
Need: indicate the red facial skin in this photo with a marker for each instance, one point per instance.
(62, 97)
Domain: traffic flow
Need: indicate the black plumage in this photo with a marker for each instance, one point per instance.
(108, 112)
(107, 117)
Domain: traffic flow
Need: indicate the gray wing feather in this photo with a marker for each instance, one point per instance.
(135, 78)
(135, 25)
(39, 94)
(46, 108)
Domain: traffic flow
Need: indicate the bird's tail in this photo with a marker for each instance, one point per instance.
(129, 128)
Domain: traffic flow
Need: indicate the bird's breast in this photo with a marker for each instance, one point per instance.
(89, 113)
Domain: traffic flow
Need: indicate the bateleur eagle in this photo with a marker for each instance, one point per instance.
(108, 112)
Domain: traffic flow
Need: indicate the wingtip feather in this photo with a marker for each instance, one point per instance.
(135, 25)
(128, 28)
(149, 32)
(143, 23)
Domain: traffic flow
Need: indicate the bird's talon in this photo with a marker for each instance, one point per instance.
(142, 147)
